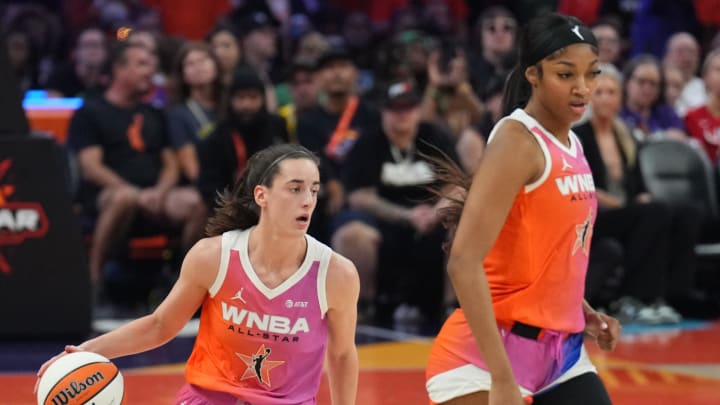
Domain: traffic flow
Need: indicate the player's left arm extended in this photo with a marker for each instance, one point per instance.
(343, 287)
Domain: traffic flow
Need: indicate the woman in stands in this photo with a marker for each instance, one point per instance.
(273, 298)
(658, 251)
(645, 110)
(520, 250)
(197, 96)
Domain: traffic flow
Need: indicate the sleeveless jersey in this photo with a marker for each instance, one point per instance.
(536, 268)
(262, 345)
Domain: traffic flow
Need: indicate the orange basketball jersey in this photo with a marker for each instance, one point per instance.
(536, 268)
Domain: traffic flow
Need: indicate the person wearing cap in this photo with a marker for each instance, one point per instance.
(390, 231)
(332, 127)
(247, 128)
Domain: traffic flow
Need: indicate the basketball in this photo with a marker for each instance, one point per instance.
(81, 378)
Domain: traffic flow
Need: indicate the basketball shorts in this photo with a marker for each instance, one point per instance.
(540, 359)
(193, 395)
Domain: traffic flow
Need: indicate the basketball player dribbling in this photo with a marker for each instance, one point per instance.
(275, 301)
(519, 254)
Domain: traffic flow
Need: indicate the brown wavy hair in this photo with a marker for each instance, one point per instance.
(237, 208)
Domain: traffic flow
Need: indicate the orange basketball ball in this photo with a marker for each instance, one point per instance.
(81, 378)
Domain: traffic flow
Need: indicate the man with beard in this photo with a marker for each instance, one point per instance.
(331, 128)
(247, 128)
(128, 167)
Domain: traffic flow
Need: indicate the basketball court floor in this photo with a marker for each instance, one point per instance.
(652, 365)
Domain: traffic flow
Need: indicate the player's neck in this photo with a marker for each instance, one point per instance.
(550, 121)
(264, 244)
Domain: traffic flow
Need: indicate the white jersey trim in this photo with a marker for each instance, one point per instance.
(529, 122)
(325, 258)
(228, 240)
(548, 163)
(310, 255)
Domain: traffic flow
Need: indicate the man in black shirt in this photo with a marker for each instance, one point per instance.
(247, 128)
(392, 224)
(126, 161)
(331, 128)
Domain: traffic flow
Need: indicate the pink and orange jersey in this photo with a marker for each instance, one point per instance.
(536, 268)
(536, 272)
(262, 345)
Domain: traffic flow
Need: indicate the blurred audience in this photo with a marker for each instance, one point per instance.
(198, 93)
(645, 110)
(683, 52)
(387, 175)
(84, 72)
(658, 240)
(226, 45)
(703, 123)
(126, 161)
(246, 128)
(331, 129)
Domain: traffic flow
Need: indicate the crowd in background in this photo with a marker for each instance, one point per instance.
(179, 94)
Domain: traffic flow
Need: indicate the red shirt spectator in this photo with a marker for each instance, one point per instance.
(705, 127)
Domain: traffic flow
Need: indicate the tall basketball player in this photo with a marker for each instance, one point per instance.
(520, 251)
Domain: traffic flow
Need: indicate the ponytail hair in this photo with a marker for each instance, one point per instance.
(541, 38)
(237, 208)
(517, 90)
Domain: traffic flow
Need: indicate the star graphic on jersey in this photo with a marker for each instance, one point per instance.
(584, 234)
(258, 366)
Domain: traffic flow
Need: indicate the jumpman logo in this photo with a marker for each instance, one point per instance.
(565, 164)
(576, 31)
(238, 296)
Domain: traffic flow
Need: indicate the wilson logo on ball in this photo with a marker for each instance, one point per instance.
(75, 388)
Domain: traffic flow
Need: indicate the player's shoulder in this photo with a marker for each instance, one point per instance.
(342, 270)
(206, 249)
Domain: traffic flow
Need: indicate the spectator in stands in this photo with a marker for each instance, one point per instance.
(450, 103)
(311, 47)
(304, 93)
(496, 31)
(83, 74)
(607, 34)
(225, 43)
(703, 123)
(658, 241)
(391, 229)
(674, 83)
(259, 44)
(157, 96)
(126, 160)
(23, 59)
(645, 110)
(332, 127)
(683, 51)
(247, 128)
(198, 93)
